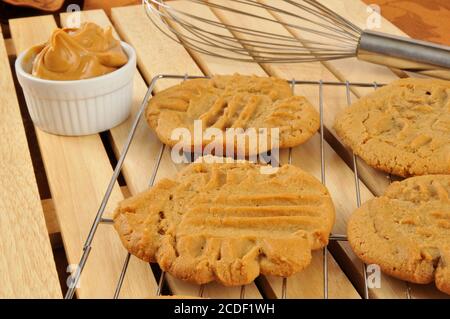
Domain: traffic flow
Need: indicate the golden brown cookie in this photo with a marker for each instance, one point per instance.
(402, 128)
(228, 222)
(236, 101)
(407, 230)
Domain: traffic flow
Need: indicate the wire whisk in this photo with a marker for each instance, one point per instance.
(288, 31)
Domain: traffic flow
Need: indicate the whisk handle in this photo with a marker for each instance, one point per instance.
(405, 54)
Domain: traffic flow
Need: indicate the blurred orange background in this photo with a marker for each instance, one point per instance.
(421, 19)
(108, 4)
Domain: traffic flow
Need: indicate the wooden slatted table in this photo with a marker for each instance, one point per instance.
(78, 170)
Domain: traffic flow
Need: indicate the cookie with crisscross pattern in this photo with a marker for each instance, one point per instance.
(402, 128)
(407, 230)
(233, 102)
(228, 222)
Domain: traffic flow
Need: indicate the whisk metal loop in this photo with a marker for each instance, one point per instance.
(207, 36)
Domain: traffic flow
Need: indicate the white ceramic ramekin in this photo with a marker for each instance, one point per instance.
(79, 107)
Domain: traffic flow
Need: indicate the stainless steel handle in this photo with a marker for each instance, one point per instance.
(405, 54)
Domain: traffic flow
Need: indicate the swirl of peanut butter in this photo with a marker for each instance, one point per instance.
(75, 54)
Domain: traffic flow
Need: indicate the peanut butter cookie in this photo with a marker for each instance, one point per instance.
(228, 222)
(233, 102)
(407, 230)
(402, 128)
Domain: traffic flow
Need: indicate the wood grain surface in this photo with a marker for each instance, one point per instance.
(421, 19)
(27, 268)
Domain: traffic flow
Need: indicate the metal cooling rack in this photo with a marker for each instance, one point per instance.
(99, 219)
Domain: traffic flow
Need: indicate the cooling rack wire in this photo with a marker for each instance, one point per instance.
(99, 219)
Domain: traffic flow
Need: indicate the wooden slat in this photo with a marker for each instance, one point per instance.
(78, 172)
(27, 268)
(210, 65)
(153, 53)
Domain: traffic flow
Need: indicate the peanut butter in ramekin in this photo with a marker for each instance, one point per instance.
(75, 54)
